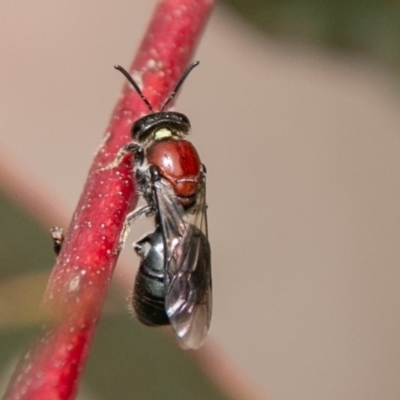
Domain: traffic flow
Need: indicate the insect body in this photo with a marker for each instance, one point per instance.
(173, 285)
(149, 292)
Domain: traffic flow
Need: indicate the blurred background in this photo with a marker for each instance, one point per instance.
(295, 111)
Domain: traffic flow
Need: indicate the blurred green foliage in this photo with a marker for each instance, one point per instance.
(127, 360)
(370, 27)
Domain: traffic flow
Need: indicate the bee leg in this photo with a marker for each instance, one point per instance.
(58, 239)
(131, 217)
(203, 170)
(132, 147)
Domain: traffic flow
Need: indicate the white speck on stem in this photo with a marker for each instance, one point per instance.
(74, 283)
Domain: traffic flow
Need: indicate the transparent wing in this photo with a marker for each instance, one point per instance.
(188, 300)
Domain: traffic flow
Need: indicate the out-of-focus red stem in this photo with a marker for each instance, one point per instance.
(80, 279)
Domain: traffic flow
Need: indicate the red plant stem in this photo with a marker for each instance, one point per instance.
(79, 281)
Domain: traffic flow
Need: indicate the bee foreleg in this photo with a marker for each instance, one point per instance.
(132, 147)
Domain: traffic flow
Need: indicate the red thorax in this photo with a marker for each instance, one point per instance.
(179, 163)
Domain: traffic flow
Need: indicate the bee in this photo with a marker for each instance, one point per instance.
(173, 284)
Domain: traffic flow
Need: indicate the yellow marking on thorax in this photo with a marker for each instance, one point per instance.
(162, 133)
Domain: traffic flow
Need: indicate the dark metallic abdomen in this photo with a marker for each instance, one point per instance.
(149, 291)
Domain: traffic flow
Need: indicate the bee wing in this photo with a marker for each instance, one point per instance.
(188, 300)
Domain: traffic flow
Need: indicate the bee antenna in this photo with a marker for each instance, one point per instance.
(179, 84)
(135, 85)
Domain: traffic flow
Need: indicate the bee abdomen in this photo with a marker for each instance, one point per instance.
(149, 300)
(149, 291)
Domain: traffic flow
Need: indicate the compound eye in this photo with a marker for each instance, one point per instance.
(137, 127)
(185, 119)
(182, 120)
(143, 127)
